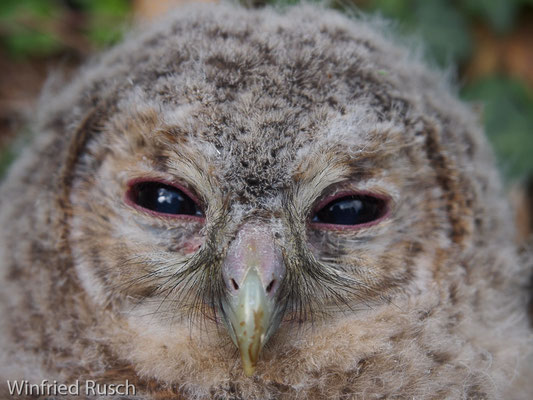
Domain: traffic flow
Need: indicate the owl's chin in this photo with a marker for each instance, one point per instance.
(205, 357)
(205, 348)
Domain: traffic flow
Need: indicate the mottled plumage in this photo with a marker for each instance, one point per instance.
(260, 116)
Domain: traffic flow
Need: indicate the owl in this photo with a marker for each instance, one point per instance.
(260, 204)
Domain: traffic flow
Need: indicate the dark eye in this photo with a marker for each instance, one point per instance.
(351, 210)
(162, 198)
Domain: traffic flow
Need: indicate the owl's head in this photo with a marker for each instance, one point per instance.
(242, 176)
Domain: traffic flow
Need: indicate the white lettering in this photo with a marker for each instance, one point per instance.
(74, 389)
(89, 388)
(128, 387)
(62, 389)
(16, 388)
(46, 388)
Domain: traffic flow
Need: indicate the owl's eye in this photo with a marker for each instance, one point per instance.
(351, 210)
(162, 198)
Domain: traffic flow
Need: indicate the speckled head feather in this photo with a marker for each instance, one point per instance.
(261, 118)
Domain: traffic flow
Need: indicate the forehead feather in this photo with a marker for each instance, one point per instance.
(262, 87)
(256, 62)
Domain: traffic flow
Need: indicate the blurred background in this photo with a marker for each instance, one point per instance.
(487, 44)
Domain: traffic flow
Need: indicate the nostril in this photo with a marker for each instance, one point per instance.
(270, 286)
(235, 285)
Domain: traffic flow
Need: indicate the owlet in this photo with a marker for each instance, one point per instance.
(261, 204)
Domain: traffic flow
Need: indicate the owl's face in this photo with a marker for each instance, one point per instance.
(170, 225)
(261, 204)
(259, 191)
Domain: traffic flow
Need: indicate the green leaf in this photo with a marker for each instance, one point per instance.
(7, 156)
(442, 26)
(500, 14)
(107, 20)
(398, 9)
(28, 42)
(508, 118)
(103, 36)
(12, 8)
(116, 8)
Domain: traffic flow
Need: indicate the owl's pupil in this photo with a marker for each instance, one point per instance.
(162, 198)
(351, 210)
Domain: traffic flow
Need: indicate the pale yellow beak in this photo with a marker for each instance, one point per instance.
(249, 313)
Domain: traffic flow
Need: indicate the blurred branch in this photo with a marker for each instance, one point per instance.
(511, 54)
(64, 30)
(150, 9)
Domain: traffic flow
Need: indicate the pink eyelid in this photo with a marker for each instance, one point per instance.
(337, 227)
(129, 200)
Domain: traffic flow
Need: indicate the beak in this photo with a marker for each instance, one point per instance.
(252, 271)
(250, 314)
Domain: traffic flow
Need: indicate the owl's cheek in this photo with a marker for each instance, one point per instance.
(191, 246)
(185, 242)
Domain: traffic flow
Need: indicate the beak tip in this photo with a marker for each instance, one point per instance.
(249, 349)
(249, 370)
